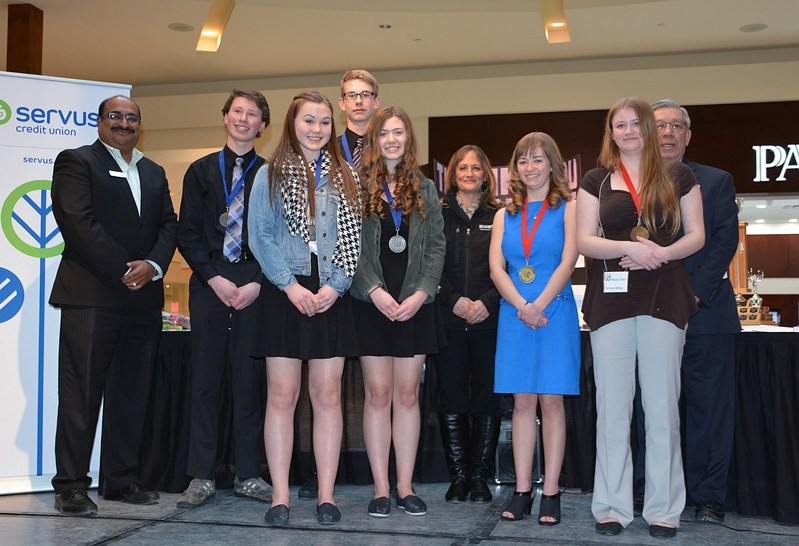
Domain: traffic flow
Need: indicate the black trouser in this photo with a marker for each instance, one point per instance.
(465, 373)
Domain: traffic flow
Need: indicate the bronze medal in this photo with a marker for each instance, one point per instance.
(527, 274)
(639, 231)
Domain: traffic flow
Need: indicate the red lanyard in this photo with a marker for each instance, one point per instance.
(634, 194)
(527, 238)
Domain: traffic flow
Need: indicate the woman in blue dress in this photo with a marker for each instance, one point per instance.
(532, 256)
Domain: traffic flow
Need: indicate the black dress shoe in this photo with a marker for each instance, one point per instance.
(328, 513)
(75, 502)
(609, 528)
(379, 507)
(712, 512)
(661, 531)
(135, 493)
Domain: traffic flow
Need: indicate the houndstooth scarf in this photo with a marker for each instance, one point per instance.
(294, 191)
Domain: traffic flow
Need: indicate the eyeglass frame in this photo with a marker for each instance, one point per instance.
(676, 126)
(364, 95)
(118, 116)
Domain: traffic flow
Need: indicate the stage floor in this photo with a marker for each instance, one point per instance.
(225, 519)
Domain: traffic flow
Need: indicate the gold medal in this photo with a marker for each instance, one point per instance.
(639, 231)
(527, 274)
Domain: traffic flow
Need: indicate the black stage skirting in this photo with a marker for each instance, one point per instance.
(763, 476)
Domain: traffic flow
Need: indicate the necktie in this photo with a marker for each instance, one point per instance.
(235, 218)
(356, 153)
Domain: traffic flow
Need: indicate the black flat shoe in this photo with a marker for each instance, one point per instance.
(549, 508)
(380, 507)
(328, 514)
(712, 512)
(413, 505)
(661, 531)
(277, 516)
(609, 528)
(520, 505)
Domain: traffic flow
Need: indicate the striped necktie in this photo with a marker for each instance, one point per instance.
(235, 218)
(356, 153)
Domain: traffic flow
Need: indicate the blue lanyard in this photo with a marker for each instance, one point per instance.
(318, 174)
(230, 195)
(346, 146)
(396, 214)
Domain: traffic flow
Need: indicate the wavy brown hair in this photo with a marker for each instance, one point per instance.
(558, 183)
(289, 151)
(487, 199)
(657, 189)
(374, 170)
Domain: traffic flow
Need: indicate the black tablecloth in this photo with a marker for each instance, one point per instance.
(764, 476)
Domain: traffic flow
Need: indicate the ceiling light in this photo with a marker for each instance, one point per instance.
(754, 27)
(793, 220)
(215, 22)
(180, 27)
(556, 28)
(760, 206)
(760, 221)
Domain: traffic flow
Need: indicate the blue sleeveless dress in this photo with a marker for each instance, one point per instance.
(545, 360)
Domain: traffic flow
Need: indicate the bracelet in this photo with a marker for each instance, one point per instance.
(375, 287)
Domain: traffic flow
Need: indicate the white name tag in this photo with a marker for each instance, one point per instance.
(615, 281)
(118, 174)
(485, 227)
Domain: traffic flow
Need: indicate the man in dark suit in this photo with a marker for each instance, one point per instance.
(113, 208)
(708, 364)
(223, 291)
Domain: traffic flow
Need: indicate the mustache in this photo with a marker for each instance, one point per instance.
(122, 129)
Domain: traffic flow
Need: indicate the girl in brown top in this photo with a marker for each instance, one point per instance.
(637, 218)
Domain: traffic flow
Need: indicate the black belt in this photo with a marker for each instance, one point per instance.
(219, 256)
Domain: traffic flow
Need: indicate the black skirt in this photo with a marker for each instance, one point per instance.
(423, 334)
(285, 332)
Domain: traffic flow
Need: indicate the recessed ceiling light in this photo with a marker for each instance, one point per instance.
(180, 27)
(760, 206)
(760, 221)
(384, 26)
(754, 27)
(793, 220)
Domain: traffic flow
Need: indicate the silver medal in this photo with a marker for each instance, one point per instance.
(223, 219)
(397, 244)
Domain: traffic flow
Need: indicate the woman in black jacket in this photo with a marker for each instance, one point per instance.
(468, 408)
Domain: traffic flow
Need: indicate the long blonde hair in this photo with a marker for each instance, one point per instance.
(657, 189)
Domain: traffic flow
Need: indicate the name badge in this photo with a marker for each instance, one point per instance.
(485, 227)
(615, 281)
(118, 174)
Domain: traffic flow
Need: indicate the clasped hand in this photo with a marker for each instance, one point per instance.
(472, 311)
(401, 312)
(532, 315)
(309, 303)
(644, 254)
(237, 297)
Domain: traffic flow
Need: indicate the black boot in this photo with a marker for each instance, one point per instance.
(485, 433)
(455, 437)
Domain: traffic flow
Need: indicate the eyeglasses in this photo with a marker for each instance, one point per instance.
(676, 126)
(117, 116)
(365, 95)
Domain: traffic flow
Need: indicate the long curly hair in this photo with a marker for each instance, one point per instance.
(558, 183)
(657, 189)
(489, 189)
(288, 150)
(374, 170)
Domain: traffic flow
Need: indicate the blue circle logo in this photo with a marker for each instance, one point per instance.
(12, 295)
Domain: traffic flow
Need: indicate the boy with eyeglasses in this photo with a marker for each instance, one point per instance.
(359, 101)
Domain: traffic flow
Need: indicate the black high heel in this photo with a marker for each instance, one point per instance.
(520, 505)
(549, 508)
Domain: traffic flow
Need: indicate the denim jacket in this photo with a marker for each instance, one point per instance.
(426, 246)
(282, 255)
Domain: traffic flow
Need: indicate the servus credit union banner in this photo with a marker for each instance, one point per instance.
(39, 117)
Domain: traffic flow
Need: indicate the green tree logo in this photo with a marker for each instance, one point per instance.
(34, 197)
(5, 112)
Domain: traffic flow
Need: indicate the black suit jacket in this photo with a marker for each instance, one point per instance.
(707, 267)
(102, 229)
